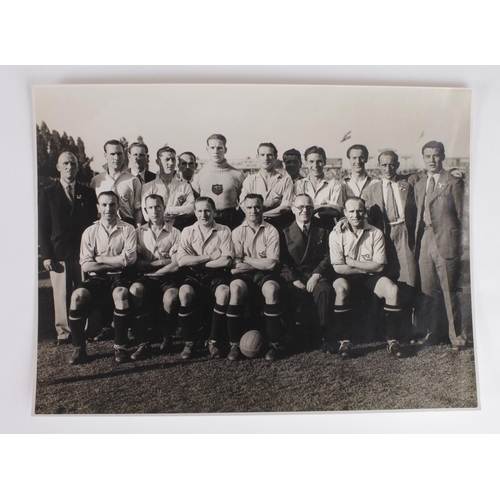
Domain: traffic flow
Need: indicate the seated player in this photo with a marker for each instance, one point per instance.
(107, 251)
(177, 196)
(358, 256)
(206, 252)
(327, 195)
(275, 188)
(157, 243)
(309, 274)
(221, 182)
(255, 275)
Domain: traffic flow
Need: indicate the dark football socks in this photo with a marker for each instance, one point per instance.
(121, 319)
(272, 312)
(343, 320)
(235, 322)
(393, 321)
(219, 324)
(187, 320)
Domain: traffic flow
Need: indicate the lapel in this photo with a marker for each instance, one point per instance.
(441, 185)
(297, 238)
(62, 196)
(403, 191)
(312, 241)
(378, 196)
(420, 192)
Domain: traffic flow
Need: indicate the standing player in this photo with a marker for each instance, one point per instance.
(327, 195)
(439, 199)
(293, 163)
(220, 181)
(157, 243)
(206, 252)
(187, 166)
(66, 209)
(275, 188)
(358, 256)
(255, 275)
(178, 197)
(359, 180)
(310, 275)
(108, 249)
(126, 186)
(138, 159)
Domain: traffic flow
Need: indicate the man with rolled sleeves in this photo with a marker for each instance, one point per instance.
(126, 186)
(221, 182)
(439, 199)
(177, 196)
(256, 277)
(66, 209)
(107, 252)
(310, 275)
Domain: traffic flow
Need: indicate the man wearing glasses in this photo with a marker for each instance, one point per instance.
(308, 270)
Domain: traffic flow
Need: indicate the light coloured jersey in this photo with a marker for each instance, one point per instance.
(326, 192)
(193, 242)
(121, 240)
(365, 245)
(152, 246)
(351, 188)
(125, 185)
(177, 196)
(222, 184)
(263, 243)
(279, 185)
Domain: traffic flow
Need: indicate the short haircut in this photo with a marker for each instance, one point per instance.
(388, 152)
(138, 145)
(66, 152)
(355, 198)
(254, 196)
(217, 137)
(108, 193)
(268, 145)
(156, 197)
(358, 146)
(205, 199)
(433, 144)
(192, 155)
(292, 152)
(306, 195)
(165, 149)
(315, 150)
(113, 142)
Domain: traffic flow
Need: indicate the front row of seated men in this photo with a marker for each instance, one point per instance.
(208, 273)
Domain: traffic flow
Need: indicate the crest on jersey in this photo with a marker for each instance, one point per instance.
(217, 189)
(181, 199)
(124, 198)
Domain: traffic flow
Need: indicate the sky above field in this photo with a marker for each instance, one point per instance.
(290, 116)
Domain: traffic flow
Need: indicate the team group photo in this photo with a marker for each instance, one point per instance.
(253, 249)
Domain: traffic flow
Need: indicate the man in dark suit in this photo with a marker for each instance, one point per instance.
(439, 199)
(307, 268)
(66, 209)
(138, 159)
(391, 208)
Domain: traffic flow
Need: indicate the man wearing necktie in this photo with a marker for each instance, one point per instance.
(439, 200)
(138, 159)
(66, 209)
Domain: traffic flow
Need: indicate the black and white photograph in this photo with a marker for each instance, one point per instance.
(215, 249)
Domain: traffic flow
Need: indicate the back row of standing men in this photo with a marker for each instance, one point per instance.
(420, 221)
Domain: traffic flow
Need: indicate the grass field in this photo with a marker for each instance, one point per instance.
(431, 377)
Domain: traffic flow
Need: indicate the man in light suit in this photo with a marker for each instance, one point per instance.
(439, 199)
(66, 209)
(307, 268)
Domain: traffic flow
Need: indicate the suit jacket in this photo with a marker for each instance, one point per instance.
(446, 210)
(60, 224)
(304, 258)
(377, 214)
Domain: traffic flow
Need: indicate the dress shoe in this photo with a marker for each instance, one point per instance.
(345, 349)
(121, 354)
(188, 351)
(234, 352)
(143, 352)
(104, 334)
(394, 348)
(79, 356)
(273, 353)
(62, 341)
(457, 348)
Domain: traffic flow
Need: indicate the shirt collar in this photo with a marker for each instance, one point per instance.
(66, 184)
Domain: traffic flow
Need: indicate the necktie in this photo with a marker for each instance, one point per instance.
(392, 208)
(141, 180)
(428, 193)
(70, 193)
(305, 233)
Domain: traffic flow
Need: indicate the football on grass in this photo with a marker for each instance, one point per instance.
(251, 344)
